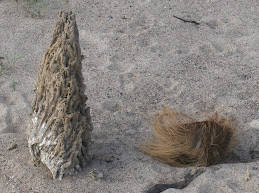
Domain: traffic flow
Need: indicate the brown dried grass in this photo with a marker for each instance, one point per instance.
(180, 140)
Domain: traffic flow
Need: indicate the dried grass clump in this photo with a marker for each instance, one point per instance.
(180, 140)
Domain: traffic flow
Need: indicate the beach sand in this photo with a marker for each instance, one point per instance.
(138, 58)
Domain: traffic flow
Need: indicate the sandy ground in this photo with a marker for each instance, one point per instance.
(138, 58)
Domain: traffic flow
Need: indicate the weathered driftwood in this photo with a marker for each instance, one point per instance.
(59, 132)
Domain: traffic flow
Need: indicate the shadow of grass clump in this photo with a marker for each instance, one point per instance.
(180, 140)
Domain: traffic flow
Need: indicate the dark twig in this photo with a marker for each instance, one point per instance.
(189, 21)
(178, 185)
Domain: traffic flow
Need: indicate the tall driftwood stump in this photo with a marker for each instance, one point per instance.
(59, 132)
